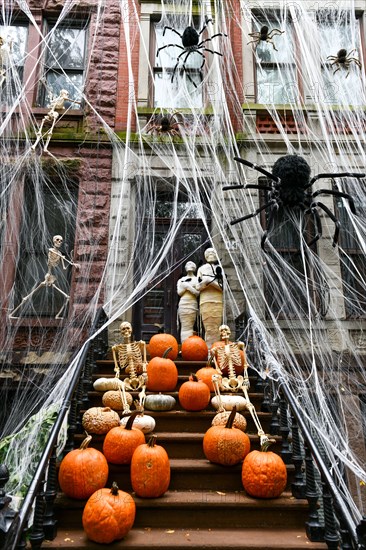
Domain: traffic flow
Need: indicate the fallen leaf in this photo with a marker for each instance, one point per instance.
(220, 493)
(170, 531)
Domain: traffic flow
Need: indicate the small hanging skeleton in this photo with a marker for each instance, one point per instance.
(131, 356)
(5, 50)
(57, 105)
(54, 259)
(228, 356)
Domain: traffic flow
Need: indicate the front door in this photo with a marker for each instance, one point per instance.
(157, 310)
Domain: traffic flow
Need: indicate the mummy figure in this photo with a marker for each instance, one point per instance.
(55, 258)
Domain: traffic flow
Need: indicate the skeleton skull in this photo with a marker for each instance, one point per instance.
(126, 329)
(57, 241)
(224, 332)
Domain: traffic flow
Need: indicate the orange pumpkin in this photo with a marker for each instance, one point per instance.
(150, 470)
(161, 342)
(108, 515)
(194, 348)
(162, 373)
(239, 368)
(120, 442)
(194, 394)
(205, 374)
(226, 445)
(264, 473)
(83, 471)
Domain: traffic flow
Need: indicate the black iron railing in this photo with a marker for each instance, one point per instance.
(43, 488)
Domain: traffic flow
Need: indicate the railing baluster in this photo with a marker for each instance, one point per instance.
(314, 530)
(274, 427)
(50, 523)
(37, 535)
(286, 453)
(331, 534)
(298, 486)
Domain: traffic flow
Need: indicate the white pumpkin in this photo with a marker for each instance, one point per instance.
(105, 384)
(143, 422)
(159, 402)
(229, 401)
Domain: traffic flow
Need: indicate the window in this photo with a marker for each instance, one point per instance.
(336, 32)
(353, 262)
(58, 216)
(12, 58)
(276, 70)
(64, 62)
(181, 92)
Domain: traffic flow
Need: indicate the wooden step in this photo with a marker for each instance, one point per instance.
(204, 509)
(213, 538)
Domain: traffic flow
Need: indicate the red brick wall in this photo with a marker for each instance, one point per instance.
(125, 92)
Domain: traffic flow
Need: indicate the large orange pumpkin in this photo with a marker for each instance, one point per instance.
(194, 394)
(83, 471)
(150, 470)
(162, 373)
(194, 348)
(161, 342)
(264, 473)
(108, 515)
(226, 445)
(120, 442)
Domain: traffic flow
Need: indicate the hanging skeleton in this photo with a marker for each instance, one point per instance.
(54, 259)
(226, 357)
(57, 104)
(131, 357)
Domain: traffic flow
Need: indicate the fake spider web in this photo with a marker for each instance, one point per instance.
(297, 303)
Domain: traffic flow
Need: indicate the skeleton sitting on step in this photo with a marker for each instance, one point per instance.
(131, 356)
(54, 259)
(227, 357)
(57, 105)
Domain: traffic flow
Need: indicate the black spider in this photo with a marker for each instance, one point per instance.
(290, 188)
(264, 35)
(191, 44)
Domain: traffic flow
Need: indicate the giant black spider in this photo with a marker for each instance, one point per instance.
(290, 188)
(191, 44)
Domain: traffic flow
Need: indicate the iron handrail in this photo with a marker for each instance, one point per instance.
(38, 477)
(326, 476)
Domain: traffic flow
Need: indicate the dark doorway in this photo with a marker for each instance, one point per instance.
(158, 308)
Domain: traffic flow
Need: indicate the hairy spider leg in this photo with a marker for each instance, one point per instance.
(358, 175)
(209, 39)
(212, 51)
(332, 217)
(274, 32)
(177, 63)
(273, 211)
(258, 168)
(317, 223)
(253, 214)
(168, 46)
(200, 69)
(171, 29)
(205, 26)
(337, 194)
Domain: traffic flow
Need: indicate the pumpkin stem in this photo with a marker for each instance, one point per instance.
(86, 442)
(266, 444)
(230, 420)
(114, 488)
(193, 377)
(131, 420)
(152, 441)
(165, 354)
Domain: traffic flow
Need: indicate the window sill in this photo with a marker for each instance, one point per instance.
(37, 322)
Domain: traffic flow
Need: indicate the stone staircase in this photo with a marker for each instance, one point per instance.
(205, 506)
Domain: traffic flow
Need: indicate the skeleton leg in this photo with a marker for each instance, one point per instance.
(25, 299)
(58, 315)
(263, 438)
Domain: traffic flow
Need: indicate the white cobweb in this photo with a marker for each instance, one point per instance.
(297, 304)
